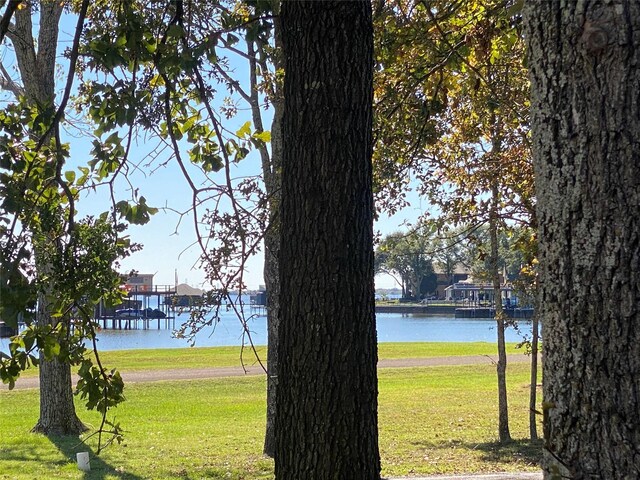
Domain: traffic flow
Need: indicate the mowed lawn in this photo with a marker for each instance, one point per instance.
(199, 357)
(431, 420)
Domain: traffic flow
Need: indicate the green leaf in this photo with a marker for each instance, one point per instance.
(515, 9)
(186, 126)
(231, 39)
(212, 163)
(51, 348)
(175, 31)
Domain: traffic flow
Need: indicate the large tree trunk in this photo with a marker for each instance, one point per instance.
(37, 72)
(57, 412)
(326, 419)
(585, 71)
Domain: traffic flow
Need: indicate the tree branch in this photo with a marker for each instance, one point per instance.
(5, 22)
(7, 83)
(73, 60)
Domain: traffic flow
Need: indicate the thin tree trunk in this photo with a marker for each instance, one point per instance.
(584, 59)
(533, 428)
(272, 281)
(326, 419)
(271, 171)
(501, 366)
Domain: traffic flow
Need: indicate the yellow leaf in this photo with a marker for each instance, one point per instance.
(264, 136)
(244, 130)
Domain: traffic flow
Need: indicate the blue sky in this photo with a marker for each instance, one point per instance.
(169, 240)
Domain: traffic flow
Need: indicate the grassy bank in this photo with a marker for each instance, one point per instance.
(199, 357)
(431, 420)
(231, 356)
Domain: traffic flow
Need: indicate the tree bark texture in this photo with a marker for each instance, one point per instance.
(585, 71)
(272, 283)
(326, 419)
(37, 67)
(57, 412)
(272, 180)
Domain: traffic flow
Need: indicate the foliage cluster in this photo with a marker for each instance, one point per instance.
(452, 118)
(141, 68)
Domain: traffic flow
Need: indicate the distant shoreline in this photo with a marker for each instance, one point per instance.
(454, 310)
(418, 309)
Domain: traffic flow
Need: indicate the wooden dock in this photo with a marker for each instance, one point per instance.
(130, 323)
(140, 300)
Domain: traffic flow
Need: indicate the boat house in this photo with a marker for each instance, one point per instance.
(471, 293)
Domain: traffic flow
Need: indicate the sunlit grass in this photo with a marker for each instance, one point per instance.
(431, 420)
(440, 349)
(203, 357)
(444, 420)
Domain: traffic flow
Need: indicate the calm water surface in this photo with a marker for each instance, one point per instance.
(391, 328)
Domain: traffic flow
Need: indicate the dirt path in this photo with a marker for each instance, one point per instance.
(218, 372)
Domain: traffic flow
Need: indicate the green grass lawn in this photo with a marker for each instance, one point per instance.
(431, 420)
(199, 357)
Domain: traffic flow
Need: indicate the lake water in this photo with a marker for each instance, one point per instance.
(391, 328)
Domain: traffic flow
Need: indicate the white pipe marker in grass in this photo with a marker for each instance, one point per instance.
(83, 461)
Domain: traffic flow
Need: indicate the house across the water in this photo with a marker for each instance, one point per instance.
(469, 292)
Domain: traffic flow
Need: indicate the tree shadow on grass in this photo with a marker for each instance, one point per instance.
(70, 445)
(516, 452)
(522, 450)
